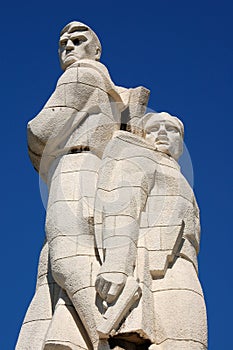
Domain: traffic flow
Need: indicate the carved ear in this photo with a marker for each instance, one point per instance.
(97, 54)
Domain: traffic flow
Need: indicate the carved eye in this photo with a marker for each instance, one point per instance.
(63, 43)
(77, 42)
(155, 128)
(171, 128)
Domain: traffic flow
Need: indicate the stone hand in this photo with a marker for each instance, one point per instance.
(109, 285)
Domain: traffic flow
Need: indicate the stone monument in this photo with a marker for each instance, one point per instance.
(118, 269)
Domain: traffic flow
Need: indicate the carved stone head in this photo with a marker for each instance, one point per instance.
(164, 132)
(78, 41)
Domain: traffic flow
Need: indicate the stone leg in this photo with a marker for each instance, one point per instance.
(180, 314)
(70, 235)
(36, 321)
(74, 274)
(40, 311)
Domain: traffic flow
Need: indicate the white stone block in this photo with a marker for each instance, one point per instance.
(158, 262)
(85, 161)
(58, 98)
(40, 307)
(32, 335)
(180, 314)
(182, 276)
(65, 330)
(150, 238)
(69, 76)
(62, 219)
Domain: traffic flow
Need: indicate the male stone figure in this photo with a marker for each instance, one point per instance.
(66, 140)
(148, 220)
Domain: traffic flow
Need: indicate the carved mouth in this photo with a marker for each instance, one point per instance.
(70, 54)
(162, 141)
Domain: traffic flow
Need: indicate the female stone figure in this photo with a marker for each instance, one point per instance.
(149, 223)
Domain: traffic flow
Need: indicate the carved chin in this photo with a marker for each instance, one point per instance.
(68, 61)
(163, 148)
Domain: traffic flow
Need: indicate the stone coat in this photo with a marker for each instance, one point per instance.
(147, 224)
(83, 111)
(81, 115)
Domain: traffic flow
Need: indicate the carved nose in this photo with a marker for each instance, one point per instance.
(69, 45)
(162, 131)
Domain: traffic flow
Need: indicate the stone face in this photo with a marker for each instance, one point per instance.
(119, 265)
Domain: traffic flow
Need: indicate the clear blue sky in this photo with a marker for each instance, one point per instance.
(183, 52)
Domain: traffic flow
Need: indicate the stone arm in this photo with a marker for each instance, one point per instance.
(122, 190)
(191, 235)
(84, 88)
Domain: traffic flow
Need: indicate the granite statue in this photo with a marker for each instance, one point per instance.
(118, 269)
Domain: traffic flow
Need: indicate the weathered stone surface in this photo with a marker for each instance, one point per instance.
(118, 269)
